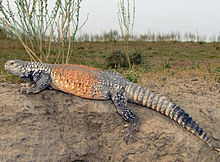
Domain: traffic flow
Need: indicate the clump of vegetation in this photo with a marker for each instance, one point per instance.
(217, 69)
(166, 64)
(39, 28)
(118, 59)
(135, 57)
(126, 17)
(132, 76)
(150, 36)
(145, 65)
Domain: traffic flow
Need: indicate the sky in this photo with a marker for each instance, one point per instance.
(160, 16)
(164, 16)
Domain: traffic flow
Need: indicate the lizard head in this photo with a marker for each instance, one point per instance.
(15, 67)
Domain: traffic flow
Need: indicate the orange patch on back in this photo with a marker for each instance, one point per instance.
(79, 80)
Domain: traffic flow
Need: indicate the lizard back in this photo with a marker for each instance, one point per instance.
(79, 80)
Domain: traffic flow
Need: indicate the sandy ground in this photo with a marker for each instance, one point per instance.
(54, 126)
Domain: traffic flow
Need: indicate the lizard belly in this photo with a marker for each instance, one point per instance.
(77, 82)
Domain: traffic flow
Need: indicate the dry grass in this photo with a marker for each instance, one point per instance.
(152, 78)
(166, 59)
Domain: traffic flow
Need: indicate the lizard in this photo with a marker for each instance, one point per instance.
(93, 83)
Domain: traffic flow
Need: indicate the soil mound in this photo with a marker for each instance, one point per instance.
(55, 126)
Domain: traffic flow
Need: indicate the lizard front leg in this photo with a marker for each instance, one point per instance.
(120, 101)
(41, 81)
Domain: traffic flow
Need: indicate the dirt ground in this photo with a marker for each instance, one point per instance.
(54, 126)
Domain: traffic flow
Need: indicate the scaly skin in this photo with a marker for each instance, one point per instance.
(92, 83)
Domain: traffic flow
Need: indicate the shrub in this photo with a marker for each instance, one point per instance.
(118, 59)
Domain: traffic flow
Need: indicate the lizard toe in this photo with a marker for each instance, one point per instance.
(129, 130)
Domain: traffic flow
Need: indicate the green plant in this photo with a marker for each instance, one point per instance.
(39, 28)
(132, 76)
(126, 17)
(217, 70)
(166, 64)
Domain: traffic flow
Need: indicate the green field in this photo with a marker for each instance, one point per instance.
(158, 58)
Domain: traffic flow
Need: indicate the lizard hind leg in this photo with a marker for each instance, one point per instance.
(120, 101)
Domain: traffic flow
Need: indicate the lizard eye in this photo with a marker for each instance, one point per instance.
(12, 63)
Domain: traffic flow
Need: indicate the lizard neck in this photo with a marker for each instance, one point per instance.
(31, 69)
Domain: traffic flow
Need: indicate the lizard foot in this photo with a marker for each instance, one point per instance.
(218, 150)
(129, 130)
(26, 88)
(214, 147)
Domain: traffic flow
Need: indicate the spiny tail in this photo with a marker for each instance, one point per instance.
(166, 107)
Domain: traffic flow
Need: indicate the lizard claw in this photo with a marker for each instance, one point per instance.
(218, 150)
(129, 130)
(25, 88)
(214, 147)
